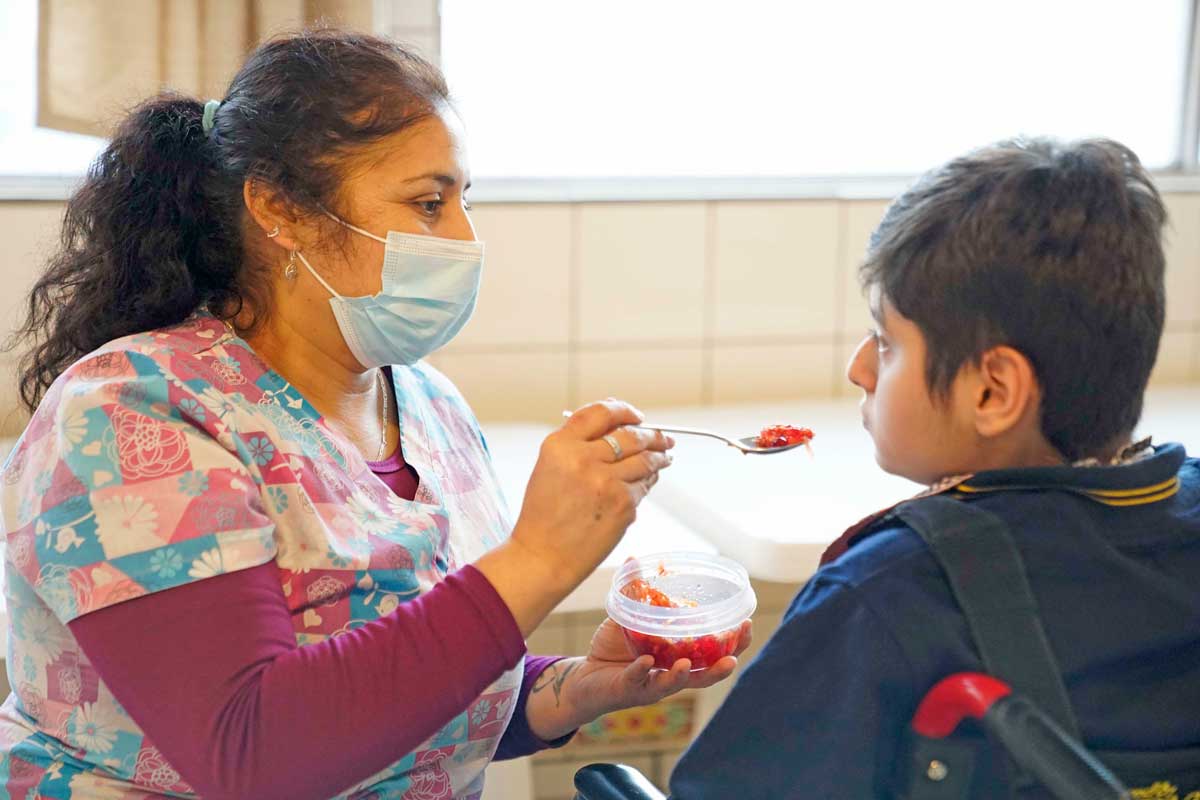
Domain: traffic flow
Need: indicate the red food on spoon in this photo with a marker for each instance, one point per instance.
(783, 435)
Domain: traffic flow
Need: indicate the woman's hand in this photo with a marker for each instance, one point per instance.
(575, 691)
(584, 492)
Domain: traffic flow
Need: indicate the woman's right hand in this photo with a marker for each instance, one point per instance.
(578, 504)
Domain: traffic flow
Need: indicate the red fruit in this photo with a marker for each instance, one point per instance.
(783, 435)
(638, 589)
(703, 651)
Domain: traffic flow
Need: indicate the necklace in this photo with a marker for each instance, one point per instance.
(383, 412)
(383, 416)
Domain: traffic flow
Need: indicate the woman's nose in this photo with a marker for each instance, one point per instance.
(460, 226)
(861, 369)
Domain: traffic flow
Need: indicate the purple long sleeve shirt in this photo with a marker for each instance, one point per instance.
(240, 710)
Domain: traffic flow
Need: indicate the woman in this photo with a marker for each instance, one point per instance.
(255, 545)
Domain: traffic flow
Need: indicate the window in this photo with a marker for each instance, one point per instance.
(643, 88)
(25, 149)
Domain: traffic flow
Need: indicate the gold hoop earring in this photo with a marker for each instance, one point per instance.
(290, 270)
(274, 232)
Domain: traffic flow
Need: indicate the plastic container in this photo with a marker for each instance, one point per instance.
(718, 598)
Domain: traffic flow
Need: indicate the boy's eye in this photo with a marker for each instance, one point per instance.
(881, 344)
(467, 205)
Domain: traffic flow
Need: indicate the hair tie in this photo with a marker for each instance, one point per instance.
(210, 111)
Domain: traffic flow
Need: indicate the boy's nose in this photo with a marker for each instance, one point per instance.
(861, 369)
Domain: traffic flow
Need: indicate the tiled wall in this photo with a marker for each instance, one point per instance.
(414, 22)
(681, 303)
(700, 303)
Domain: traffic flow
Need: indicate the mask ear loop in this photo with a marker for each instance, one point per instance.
(354, 228)
(317, 275)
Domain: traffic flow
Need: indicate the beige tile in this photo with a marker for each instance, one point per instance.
(773, 595)
(861, 217)
(765, 625)
(1176, 358)
(554, 780)
(643, 377)
(752, 373)
(578, 629)
(666, 765)
(13, 416)
(425, 42)
(842, 387)
(400, 14)
(550, 638)
(776, 266)
(1196, 356)
(510, 386)
(524, 294)
(641, 271)
(1183, 259)
(29, 232)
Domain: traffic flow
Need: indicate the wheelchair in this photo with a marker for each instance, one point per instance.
(1033, 741)
(1027, 714)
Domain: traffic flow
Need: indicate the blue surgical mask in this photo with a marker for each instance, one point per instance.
(429, 290)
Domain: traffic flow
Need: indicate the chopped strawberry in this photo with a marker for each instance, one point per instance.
(638, 589)
(702, 651)
(783, 435)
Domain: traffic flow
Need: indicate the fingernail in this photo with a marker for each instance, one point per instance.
(670, 441)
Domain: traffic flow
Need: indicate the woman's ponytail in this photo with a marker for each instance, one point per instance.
(145, 242)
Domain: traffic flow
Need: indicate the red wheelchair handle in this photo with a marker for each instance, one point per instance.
(953, 698)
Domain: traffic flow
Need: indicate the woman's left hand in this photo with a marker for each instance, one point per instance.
(575, 691)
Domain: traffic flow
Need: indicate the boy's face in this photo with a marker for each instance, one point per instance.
(916, 436)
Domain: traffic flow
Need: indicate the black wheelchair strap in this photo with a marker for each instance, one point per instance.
(977, 553)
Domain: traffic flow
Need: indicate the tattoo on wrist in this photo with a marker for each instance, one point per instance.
(553, 677)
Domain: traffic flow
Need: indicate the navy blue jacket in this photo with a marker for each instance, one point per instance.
(1113, 558)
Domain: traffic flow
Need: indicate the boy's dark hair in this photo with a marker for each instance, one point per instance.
(157, 229)
(1053, 249)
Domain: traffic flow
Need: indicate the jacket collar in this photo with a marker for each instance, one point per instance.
(1151, 479)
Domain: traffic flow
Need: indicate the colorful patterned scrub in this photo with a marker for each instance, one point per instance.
(174, 456)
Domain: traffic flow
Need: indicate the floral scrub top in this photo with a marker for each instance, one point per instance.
(172, 456)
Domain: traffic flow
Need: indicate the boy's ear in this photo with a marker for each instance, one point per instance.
(1007, 392)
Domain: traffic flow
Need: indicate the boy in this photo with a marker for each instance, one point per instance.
(1018, 296)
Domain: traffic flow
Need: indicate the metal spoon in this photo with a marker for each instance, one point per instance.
(746, 444)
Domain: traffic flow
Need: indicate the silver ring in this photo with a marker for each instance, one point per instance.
(615, 445)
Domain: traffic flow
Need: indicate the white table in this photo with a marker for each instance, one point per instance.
(715, 499)
(776, 514)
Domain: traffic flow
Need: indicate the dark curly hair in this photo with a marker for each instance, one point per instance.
(156, 231)
(1052, 248)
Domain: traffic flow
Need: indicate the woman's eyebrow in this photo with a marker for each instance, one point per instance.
(440, 177)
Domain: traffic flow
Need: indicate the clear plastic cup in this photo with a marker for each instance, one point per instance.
(716, 596)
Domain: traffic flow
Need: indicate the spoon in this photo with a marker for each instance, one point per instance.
(747, 444)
